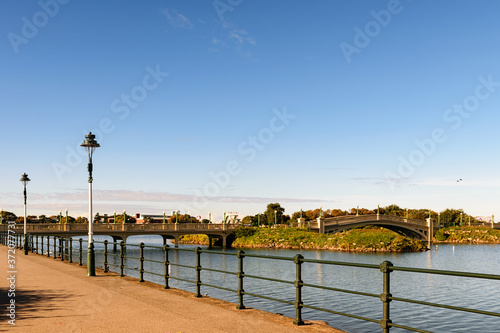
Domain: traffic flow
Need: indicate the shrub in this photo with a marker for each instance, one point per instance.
(245, 232)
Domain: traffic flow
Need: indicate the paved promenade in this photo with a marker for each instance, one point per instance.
(55, 296)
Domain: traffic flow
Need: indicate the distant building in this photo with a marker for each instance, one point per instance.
(150, 218)
(484, 218)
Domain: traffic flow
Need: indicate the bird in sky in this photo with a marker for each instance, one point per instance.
(458, 181)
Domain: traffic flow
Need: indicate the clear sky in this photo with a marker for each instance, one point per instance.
(228, 105)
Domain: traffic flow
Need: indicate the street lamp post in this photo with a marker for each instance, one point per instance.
(90, 145)
(25, 180)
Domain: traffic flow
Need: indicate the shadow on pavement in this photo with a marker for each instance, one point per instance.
(30, 304)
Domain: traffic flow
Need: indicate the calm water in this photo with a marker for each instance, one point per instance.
(472, 293)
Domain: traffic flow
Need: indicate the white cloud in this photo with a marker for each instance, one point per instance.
(141, 196)
(177, 20)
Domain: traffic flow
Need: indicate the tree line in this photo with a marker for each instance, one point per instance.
(273, 214)
(447, 217)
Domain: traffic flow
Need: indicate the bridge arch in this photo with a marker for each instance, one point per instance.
(416, 229)
(416, 234)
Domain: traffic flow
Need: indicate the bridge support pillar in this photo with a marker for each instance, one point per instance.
(116, 239)
(430, 231)
(210, 238)
(176, 241)
(224, 241)
(321, 225)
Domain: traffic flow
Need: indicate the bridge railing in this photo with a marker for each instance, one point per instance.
(349, 219)
(65, 249)
(98, 227)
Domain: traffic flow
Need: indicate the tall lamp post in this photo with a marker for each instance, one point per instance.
(90, 145)
(25, 180)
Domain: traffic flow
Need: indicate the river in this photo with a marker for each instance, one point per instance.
(465, 292)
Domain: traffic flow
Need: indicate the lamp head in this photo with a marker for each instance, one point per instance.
(90, 144)
(25, 179)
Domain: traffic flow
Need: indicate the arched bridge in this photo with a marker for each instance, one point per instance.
(122, 231)
(412, 228)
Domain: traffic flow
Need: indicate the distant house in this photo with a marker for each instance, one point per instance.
(484, 218)
(150, 218)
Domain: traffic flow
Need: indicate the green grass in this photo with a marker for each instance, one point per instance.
(194, 239)
(468, 235)
(368, 239)
(362, 240)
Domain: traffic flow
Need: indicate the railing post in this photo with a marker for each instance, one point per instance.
(61, 248)
(42, 245)
(105, 256)
(167, 267)
(122, 258)
(80, 252)
(36, 244)
(198, 271)
(48, 246)
(71, 250)
(241, 274)
(32, 244)
(298, 290)
(55, 248)
(385, 297)
(141, 261)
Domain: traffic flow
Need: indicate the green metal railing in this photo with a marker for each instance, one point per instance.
(65, 251)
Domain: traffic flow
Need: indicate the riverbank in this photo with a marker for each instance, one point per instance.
(357, 240)
(369, 239)
(50, 295)
(467, 235)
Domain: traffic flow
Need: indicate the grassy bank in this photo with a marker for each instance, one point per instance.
(194, 239)
(468, 235)
(357, 240)
(369, 239)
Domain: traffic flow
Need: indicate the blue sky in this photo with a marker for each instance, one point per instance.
(212, 106)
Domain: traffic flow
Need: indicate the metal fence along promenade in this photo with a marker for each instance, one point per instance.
(63, 249)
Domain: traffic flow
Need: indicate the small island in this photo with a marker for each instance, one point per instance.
(367, 239)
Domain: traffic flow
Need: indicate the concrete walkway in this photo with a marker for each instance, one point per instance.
(55, 296)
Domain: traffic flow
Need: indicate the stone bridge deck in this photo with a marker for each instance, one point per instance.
(123, 231)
